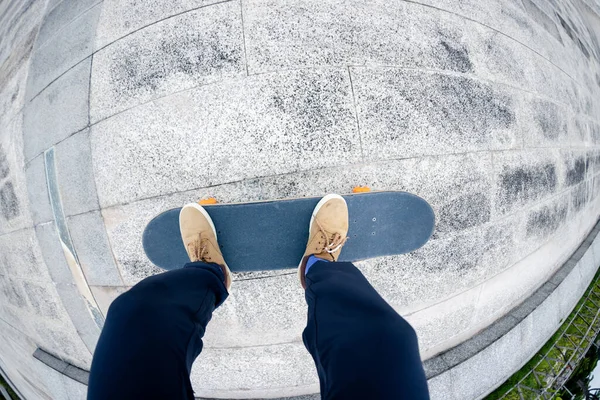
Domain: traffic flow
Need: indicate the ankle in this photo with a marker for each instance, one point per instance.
(313, 259)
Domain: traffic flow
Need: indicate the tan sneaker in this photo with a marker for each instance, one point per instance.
(327, 232)
(200, 238)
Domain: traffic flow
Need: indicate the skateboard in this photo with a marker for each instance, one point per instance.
(271, 235)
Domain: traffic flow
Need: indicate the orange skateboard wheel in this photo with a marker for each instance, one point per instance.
(361, 189)
(209, 201)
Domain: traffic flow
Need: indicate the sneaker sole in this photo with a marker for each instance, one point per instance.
(312, 218)
(212, 225)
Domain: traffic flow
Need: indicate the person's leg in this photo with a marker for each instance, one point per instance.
(362, 348)
(153, 333)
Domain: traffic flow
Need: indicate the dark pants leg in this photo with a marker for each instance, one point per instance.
(362, 348)
(153, 333)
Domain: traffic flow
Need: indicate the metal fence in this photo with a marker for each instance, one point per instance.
(549, 375)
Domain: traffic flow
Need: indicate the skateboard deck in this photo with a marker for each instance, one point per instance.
(271, 235)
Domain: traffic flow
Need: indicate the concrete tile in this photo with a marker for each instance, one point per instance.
(52, 381)
(563, 272)
(70, 46)
(523, 310)
(42, 299)
(12, 292)
(475, 377)
(443, 325)
(59, 111)
(74, 389)
(441, 387)
(580, 132)
(198, 47)
(549, 124)
(278, 370)
(574, 164)
(541, 16)
(16, 361)
(62, 339)
(581, 195)
(18, 30)
(37, 190)
(17, 317)
(497, 298)
(434, 367)
(75, 174)
(504, 15)
(53, 253)
(105, 295)
(13, 81)
(405, 113)
(540, 325)
(592, 163)
(570, 291)
(503, 245)
(14, 204)
(305, 117)
(259, 312)
(121, 18)
(125, 224)
(299, 34)
(523, 178)
(93, 250)
(588, 267)
(544, 220)
(80, 312)
(479, 342)
(60, 16)
(21, 256)
(428, 275)
(51, 4)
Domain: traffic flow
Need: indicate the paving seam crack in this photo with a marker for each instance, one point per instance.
(355, 106)
(339, 68)
(351, 165)
(244, 36)
(161, 20)
(63, 27)
(58, 77)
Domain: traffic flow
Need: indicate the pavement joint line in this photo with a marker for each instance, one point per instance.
(89, 96)
(494, 29)
(161, 20)
(57, 78)
(265, 277)
(352, 165)
(338, 68)
(41, 154)
(244, 35)
(362, 153)
(65, 25)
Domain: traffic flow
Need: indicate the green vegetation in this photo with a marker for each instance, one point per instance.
(6, 386)
(559, 354)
